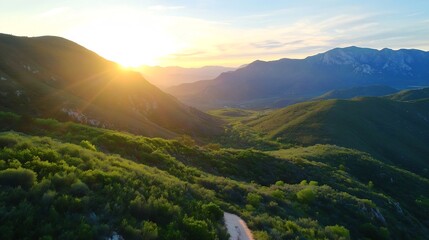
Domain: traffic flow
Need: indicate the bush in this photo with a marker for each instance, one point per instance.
(196, 229)
(213, 146)
(79, 189)
(18, 177)
(254, 199)
(337, 232)
(88, 145)
(149, 230)
(213, 211)
(261, 235)
(306, 195)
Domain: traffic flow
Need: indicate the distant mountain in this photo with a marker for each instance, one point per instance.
(397, 132)
(291, 79)
(365, 91)
(410, 95)
(164, 77)
(54, 77)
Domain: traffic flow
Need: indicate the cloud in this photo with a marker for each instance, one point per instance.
(272, 44)
(53, 12)
(164, 7)
(269, 44)
(186, 54)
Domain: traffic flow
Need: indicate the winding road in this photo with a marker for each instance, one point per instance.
(236, 227)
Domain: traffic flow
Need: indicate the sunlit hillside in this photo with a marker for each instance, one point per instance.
(214, 120)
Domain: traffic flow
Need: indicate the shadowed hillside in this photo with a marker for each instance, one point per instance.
(54, 77)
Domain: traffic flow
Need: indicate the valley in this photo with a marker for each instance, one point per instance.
(89, 150)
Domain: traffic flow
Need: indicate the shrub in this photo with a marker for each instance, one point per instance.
(280, 183)
(79, 189)
(313, 183)
(196, 229)
(17, 177)
(337, 232)
(254, 199)
(213, 146)
(261, 235)
(306, 195)
(278, 194)
(149, 230)
(213, 211)
(88, 145)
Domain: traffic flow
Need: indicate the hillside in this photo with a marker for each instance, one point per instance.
(52, 182)
(164, 77)
(54, 77)
(396, 132)
(410, 95)
(367, 91)
(284, 81)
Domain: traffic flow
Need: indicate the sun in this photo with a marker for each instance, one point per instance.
(128, 44)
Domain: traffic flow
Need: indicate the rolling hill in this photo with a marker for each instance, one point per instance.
(68, 181)
(396, 132)
(54, 77)
(410, 95)
(286, 80)
(366, 91)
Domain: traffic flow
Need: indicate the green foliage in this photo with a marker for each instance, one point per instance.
(261, 235)
(392, 131)
(306, 195)
(88, 145)
(213, 211)
(254, 199)
(372, 232)
(187, 140)
(17, 177)
(144, 187)
(149, 230)
(280, 183)
(337, 232)
(196, 229)
(371, 184)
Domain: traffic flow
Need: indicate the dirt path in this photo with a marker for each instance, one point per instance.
(237, 228)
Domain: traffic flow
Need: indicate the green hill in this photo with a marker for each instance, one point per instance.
(364, 91)
(78, 158)
(55, 176)
(410, 95)
(54, 77)
(396, 132)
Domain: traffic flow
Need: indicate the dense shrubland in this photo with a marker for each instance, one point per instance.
(56, 176)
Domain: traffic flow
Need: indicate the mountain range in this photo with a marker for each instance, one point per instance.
(54, 77)
(164, 77)
(89, 150)
(286, 81)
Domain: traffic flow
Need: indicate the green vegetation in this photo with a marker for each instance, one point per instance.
(56, 78)
(410, 95)
(333, 169)
(392, 131)
(149, 188)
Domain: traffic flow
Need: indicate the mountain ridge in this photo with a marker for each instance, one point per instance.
(307, 78)
(54, 77)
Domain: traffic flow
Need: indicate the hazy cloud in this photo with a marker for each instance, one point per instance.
(164, 7)
(53, 12)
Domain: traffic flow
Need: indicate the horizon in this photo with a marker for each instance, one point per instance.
(206, 33)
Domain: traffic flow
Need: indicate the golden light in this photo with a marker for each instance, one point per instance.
(126, 41)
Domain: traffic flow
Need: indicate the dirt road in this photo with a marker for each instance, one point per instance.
(237, 228)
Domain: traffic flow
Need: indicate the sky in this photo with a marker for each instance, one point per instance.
(195, 33)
